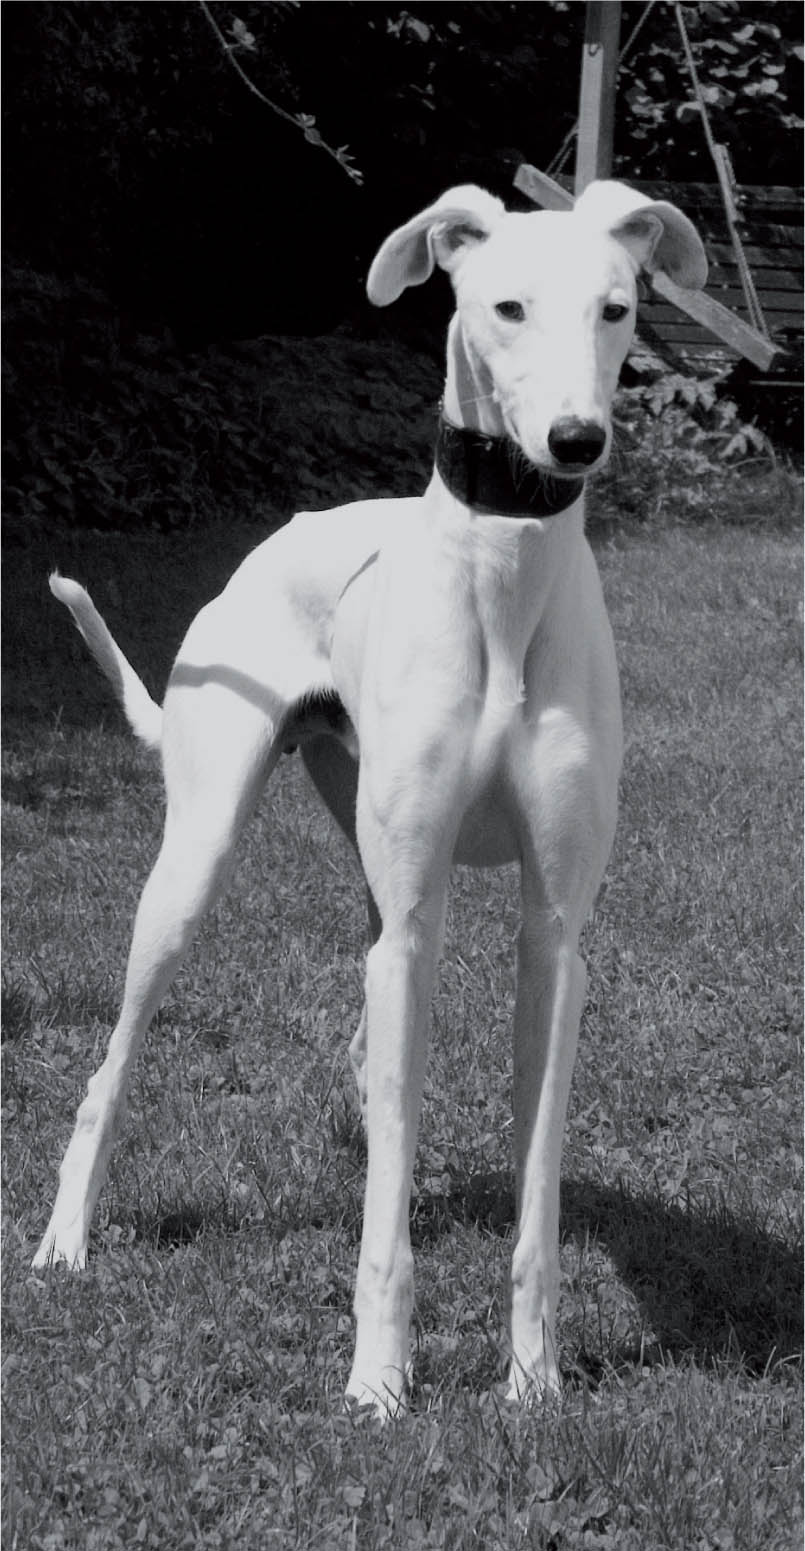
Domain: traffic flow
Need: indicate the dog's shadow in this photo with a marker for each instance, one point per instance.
(710, 1283)
(703, 1280)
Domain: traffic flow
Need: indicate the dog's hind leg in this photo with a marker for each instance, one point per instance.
(219, 749)
(334, 773)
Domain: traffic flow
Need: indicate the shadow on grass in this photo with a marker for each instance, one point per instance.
(181, 1226)
(712, 1283)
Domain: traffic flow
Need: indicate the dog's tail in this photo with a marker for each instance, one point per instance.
(142, 713)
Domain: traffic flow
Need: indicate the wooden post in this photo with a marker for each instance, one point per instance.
(594, 160)
(599, 71)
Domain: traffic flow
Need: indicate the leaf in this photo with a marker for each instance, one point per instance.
(143, 1391)
(420, 29)
(245, 38)
(353, 1493)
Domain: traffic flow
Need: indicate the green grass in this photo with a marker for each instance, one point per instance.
(185, 1392)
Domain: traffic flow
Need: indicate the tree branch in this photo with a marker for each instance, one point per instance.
(302, 121)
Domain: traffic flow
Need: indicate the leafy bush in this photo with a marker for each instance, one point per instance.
(683, 450)
(693, 419)
(113, 430)
(110, 430)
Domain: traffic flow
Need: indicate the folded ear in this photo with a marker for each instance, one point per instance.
(656, 234)
(441, 235)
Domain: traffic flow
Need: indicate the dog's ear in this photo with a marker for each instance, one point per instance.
(657, 234)
(441, 235)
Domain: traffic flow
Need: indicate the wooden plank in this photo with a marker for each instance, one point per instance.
(685, 328)
(783, 320)
(689, 334)
(772, 302)
(759, 193)
(765, 278)
(599, 69)
(696, 304)
(751, 230)
(773, 194)
(706, 197)
(776, 280)
(783, 337)
(701, 349)
(772, 234)
(719, 320)
(787, 255)
(543, 190)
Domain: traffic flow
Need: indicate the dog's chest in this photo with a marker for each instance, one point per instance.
(451, 630)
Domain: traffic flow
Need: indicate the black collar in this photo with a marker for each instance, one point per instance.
(491, 474)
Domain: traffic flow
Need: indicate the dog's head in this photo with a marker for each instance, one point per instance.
(545, 307)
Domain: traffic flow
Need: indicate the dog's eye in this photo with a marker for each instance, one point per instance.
(613, 312)
(513, 312)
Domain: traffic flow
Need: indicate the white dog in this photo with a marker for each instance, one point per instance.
(446, 664)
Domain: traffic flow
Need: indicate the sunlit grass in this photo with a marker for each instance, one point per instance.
(185, 1392)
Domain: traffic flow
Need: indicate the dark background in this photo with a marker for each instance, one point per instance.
(186, 335)
(137, 158)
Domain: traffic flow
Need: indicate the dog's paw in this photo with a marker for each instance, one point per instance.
(383, 1399)
(57, 1249)
(533, 1388)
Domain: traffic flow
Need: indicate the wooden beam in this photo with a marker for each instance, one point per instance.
(599, 71)
(726, 325)
(541, 189)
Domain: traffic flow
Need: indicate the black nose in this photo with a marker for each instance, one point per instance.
(572, 440)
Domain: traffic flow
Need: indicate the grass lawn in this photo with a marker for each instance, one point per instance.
(185, 1391)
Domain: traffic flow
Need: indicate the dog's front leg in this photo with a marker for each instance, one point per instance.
(406, 831)
(551, 980)
(399, 980)
(413, 705)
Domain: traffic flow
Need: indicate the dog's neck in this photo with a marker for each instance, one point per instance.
(470, 401)
(490, 475)
(480, 464)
